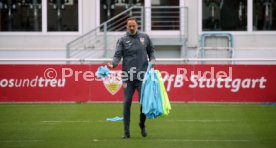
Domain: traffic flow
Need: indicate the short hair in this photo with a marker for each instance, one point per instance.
(132, 19)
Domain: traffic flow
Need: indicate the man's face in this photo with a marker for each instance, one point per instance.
(132, 26)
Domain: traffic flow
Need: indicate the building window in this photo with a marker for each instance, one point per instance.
(17, 16)
(62, 15)
(264, 15)
(224, 15)
(165, 18)
(111, 8)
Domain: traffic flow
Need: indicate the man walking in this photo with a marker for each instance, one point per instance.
(137, 50)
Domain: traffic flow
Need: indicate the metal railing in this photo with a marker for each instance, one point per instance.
(168, 18)
(99, 40)
(158, 60)
(165, 17)
(216, 45)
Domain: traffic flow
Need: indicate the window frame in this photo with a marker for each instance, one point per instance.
(44, 26)
(249, 23)
(147, 4)
(158, 32)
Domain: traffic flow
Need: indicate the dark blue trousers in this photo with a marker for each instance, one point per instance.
(128, 94)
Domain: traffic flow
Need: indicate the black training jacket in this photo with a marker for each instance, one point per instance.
(136, 50)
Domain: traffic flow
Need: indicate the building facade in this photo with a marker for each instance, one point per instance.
(43, 28)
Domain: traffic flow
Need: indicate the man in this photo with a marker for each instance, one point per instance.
(137, 50)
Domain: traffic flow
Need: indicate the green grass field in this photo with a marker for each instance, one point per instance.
(188, 126)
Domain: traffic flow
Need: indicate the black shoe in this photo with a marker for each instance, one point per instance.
(143, 130)
(126, 137)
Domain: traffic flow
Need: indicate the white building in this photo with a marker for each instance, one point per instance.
(43, 28)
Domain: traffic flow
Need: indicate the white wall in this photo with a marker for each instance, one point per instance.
(34, 45)
(49, 40)
(192, 22)
(247, 44)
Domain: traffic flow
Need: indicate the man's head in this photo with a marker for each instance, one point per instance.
(132, 25)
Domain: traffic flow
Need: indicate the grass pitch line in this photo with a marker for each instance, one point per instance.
(203, 121)
(204, 140)
(73, 121)
(65, 121)
(183, 140)
(90, 121)
(20, 141)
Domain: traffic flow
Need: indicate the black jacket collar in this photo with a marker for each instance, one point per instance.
(133, 35)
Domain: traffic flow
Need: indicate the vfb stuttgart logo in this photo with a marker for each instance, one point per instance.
(113, 82)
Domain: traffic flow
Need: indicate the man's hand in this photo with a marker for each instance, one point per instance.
(152, 62)
(109, 64)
